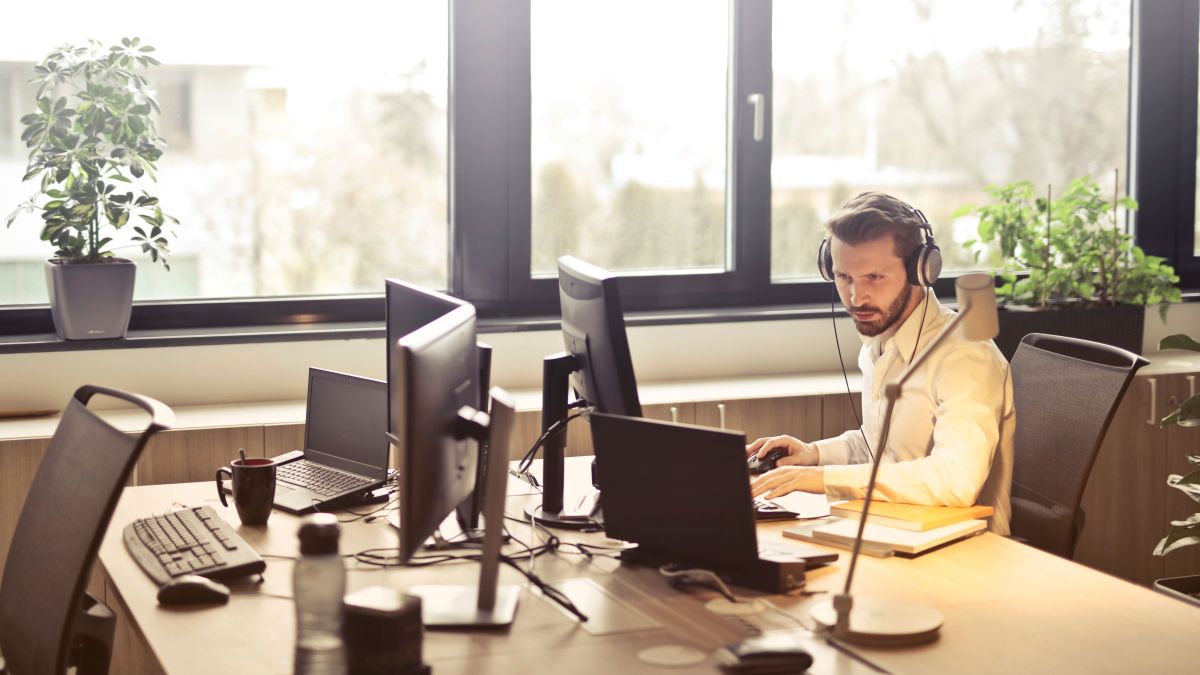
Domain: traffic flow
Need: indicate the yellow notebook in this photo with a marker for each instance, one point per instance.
(913, 517)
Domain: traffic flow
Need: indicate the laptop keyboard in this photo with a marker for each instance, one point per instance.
(320, 479)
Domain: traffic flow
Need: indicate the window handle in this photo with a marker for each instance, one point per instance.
(760, 105)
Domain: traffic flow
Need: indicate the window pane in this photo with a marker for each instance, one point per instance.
(628, 135)
(933, 101)
(306, 148)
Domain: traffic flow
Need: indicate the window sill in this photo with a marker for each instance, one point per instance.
(139, 339)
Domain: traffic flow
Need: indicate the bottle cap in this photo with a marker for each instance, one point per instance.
(319, 535)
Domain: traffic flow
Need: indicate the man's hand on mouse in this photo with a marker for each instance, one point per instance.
(799, 453)
(787, 479)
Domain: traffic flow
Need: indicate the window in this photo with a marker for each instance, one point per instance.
(467, 145)
(628, 138)
(305, 148)
(932, 102)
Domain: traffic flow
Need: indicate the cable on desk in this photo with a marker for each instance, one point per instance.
(558, 427)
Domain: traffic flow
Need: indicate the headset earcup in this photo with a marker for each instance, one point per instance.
(931, 266)
(825, 260)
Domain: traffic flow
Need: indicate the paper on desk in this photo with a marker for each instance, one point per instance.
(804, 504)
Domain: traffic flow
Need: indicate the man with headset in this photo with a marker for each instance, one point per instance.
(951, 437)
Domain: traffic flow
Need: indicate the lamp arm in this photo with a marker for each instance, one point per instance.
(843, 602)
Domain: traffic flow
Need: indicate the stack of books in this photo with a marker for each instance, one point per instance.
(900, 529)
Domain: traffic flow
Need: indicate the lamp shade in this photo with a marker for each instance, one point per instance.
(977, 300)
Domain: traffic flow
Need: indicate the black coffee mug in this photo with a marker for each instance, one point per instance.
(253, 488)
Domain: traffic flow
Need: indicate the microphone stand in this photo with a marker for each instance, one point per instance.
(843, 603)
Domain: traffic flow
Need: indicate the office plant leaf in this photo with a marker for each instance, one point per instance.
(1179, 341)
(93, 126)
(1182, 533)
(1186, 415)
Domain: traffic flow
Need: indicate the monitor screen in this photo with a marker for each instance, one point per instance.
(435, 372)
(593, 328)
(408, 308)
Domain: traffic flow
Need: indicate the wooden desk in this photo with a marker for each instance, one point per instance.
(1008, 607)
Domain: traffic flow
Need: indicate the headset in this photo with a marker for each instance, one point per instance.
(923, 266)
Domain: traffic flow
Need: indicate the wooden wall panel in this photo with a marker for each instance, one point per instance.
(281, 438)
(798, 416)
(1181, 442)
(1123, 501)
(189, 455)
(838, 416)
(19, 460)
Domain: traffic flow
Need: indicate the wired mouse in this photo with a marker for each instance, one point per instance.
(766, 462)
(192, 590)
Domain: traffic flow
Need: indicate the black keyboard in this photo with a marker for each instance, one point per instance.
(190, 541)
(320, 479)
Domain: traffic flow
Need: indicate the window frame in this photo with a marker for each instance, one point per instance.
(489, 181)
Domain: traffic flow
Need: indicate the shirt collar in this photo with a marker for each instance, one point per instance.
(905, 336)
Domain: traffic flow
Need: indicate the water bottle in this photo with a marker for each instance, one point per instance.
(318, 584)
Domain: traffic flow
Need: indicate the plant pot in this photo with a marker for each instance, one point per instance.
(1120, 326)
(1182, 588)
(90, 301)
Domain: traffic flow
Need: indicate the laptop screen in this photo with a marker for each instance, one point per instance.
(346, 423)
(678, 491)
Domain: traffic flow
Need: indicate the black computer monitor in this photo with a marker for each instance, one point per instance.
(408, 308)
(436, 429)
(434, 372)
(596, 366)
(593, 328)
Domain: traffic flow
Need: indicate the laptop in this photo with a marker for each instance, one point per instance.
(345, 453)
(682, 494)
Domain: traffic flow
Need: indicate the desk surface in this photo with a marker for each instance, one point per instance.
(1008, 608)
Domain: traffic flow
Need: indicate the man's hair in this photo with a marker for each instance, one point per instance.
(872, 215)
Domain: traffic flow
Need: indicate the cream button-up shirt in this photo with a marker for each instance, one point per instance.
(951, 441)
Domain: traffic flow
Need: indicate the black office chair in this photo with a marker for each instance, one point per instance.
(48, 622)
(1065, 392)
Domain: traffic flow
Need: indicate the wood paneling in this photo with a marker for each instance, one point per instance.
(19, 462)
(281, 438)
(837, 415)
(1123, 501)
(798, 416)
(188, 455)
(1181, 442)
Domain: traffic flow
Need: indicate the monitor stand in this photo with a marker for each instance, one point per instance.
(486, 605)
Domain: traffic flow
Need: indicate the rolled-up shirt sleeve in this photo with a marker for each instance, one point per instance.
(968, 386)
(847, 448)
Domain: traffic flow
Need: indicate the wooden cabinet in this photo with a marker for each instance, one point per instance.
(1127, 502)
(1180, 442)
(798, 416)
(188, 455)
(19, 460)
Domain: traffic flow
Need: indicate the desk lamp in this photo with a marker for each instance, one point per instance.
(875, 621)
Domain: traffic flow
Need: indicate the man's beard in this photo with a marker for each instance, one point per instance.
(888, 318)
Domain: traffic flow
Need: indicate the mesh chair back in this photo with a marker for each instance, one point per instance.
(62, 523)
(1065, 392)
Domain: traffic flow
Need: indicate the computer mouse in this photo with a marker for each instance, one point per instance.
(192, 589)
(765, 654)
(767, 462)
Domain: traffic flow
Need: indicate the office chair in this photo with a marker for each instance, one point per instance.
(48, 622)
(1065, 392)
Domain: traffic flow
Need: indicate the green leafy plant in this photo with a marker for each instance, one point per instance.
(1184, 532)
(93, 131)
(1070, 249)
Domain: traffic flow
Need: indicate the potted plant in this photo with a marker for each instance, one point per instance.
(1184, 532)
(91, 140)
(1056, 257)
